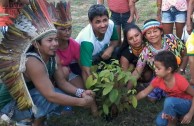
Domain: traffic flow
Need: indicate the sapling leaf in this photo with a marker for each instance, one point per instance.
(105, 109)
(126, 79)
(103, 73)
(95, 75)
(96, 89)
(113, 95)
(134, 101)
(89, 81)
(120, 76)
(111, 77)
(118, 99)
(107, 89)
(115, 62)
(133, 80)
(94, 68)
(129, 91)
(106, 80)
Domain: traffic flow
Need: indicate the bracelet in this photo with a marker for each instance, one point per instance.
(182, 70)
(79, 92)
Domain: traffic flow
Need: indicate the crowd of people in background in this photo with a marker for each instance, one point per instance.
(157, 56)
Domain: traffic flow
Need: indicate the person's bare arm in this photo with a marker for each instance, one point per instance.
(108, 52)
(132, 11)
(189, 13)
(85, 73)
(144, 93)
(124, 63)
(36, 72)
(4, 3)
(159, 5)
(61, 80)
(184, 61)
(191, 66)
(188, 117)
(100, 1)
(137, 72)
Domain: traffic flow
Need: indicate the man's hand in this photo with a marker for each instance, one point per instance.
(89, 93)
(107, 53)
(130, 19)
(136, 15)
(88, 101)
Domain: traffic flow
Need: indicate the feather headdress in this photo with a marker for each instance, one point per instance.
(32, 23)
(61, 13)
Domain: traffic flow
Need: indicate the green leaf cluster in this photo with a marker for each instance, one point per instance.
(109, 82)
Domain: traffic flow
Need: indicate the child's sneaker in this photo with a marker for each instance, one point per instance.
(25, 122)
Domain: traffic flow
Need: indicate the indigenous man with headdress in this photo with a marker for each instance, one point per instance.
(29, 68)
(69, 50)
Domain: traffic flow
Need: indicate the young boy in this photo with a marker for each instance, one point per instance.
(178, 102)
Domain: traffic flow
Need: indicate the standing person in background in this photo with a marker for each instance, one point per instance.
(69, 49)
(172, 12)
(122, 13)
(190, 17)
(190, 53)
(190, 41)
(97, 40)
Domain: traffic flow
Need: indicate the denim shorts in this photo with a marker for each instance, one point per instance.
(174, 107)
(44, 107)
(72, 76)
(173, 15)
(120, 19)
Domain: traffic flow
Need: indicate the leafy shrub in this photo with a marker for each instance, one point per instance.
(109, 82)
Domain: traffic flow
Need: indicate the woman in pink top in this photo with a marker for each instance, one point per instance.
(69, 50)
(122, 13)
(172, 12)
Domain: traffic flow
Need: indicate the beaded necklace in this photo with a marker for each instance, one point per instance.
(136, 51)
(155, 51)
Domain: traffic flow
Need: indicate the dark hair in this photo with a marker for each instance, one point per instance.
(97, 10)
(168, 59)
(125, 44)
